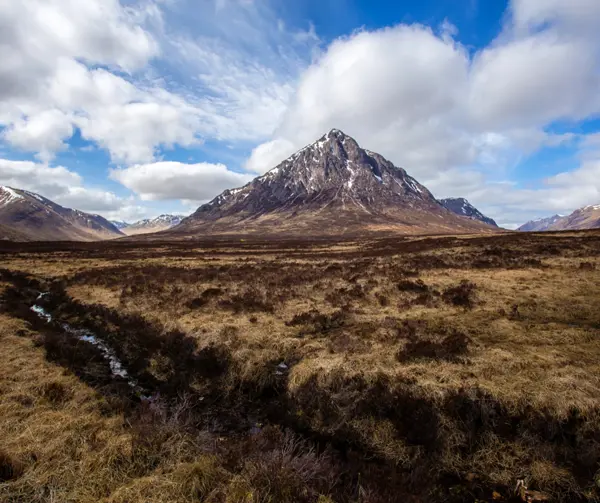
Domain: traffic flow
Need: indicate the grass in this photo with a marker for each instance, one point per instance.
(431, 369)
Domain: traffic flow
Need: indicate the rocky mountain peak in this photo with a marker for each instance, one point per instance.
(331, 186)
(464, 208)
(334, 167)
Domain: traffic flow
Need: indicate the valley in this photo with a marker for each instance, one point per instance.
(415, 368)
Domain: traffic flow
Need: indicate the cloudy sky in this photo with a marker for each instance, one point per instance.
(133, 108)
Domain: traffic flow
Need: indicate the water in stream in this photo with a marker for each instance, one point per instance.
(116, 367)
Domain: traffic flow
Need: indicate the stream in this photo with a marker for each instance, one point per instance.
(116, 366)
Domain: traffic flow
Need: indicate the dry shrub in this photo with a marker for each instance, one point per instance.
(283, 469)
(252, 300)
(450, 348)
(383, 300)
(203, 479)
(413, 286)
(319, 322)
(55, 392)
(347, 343)
(204, 298)
(462, 295)
(549, 477)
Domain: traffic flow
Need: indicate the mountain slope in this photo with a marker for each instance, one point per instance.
(587, 217)
(149, 225)
(330, 187)
(119, 224)
(26, 216)
(541, 224)
(461, 206)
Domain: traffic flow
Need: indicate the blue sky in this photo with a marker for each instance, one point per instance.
(134, 108)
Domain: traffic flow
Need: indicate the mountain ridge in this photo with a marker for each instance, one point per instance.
(27, 216)
(587, 217)
(149, 225)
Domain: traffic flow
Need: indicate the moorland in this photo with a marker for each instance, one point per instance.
(448, 368)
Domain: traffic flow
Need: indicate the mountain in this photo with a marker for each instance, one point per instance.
(461, 206)
(330, 187)
(119, 224)
(541, 224)
(26, 216)
(587, 217)
(148, 225)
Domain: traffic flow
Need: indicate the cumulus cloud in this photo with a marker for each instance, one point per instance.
(574, 17)
(175, 180)
(43, 133)
(383, 88)
(267, 155)
(35, 34)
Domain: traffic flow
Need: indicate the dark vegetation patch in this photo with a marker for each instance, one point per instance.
(383, 300)
(10, 467)
(55, 392)
(449, 347)
(462, 295)
(413, 286)
(204, 298)
(316, 322)
(250, 301)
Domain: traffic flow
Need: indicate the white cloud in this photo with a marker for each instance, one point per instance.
(175, 180)
(58, 184)
(34, 176)
(573, 16)
(533, 81)
(43, 133)
(268, 155)
(233, 75)
(133, 131)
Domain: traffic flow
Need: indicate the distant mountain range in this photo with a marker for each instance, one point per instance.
(332, 187)
(587, 217)
(26, 216)
(148, 225)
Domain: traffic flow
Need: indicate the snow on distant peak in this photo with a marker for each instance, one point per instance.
(8, 195)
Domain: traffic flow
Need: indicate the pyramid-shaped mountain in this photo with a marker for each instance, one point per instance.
(330, 187)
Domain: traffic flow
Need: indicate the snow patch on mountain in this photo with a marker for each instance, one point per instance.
(8, 195)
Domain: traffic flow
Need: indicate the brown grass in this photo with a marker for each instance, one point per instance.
(438, 369)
